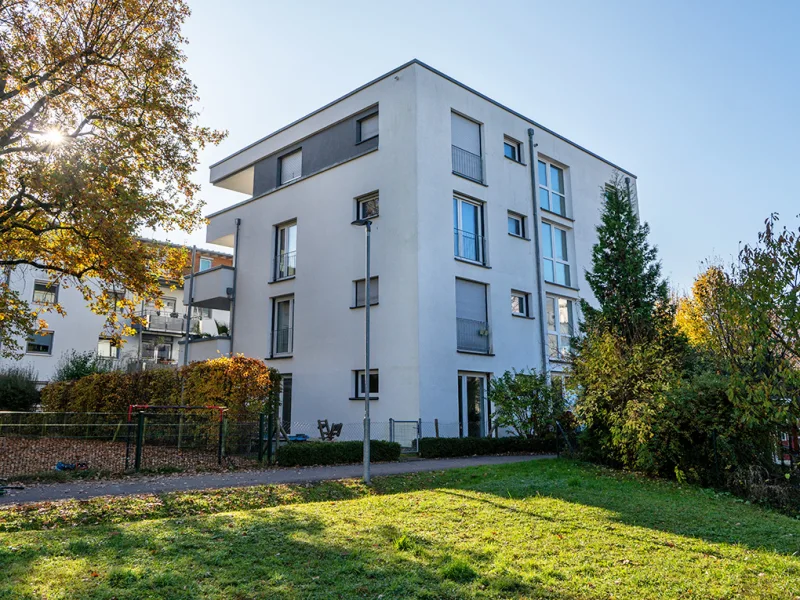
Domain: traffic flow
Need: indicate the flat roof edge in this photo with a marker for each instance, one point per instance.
(440, 74)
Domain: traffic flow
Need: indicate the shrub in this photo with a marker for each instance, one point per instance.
(75, 365)
(469, 446)
(525, 402)
(245, 386)
(18, 388)
(303, 454)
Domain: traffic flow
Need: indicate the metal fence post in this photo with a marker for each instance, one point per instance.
(261, 432)
(419, 433)
(137, 465)
(221, 448)
(270, 437)
(391, 430)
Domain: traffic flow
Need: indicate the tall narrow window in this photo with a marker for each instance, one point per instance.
(560, 326)
(472, 322)
(361, 292)
(291, 166)
(466, 141)
(552, 195)
(45, 292)
(468, 240)
(286, 251)
(368, 128)
(283, 325)
(556, 257)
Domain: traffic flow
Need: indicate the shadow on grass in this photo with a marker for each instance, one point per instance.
(275, 554)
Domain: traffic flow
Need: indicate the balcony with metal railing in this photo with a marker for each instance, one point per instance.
(469, 246)
(467, 164)
(282, 341)
(473, 336)
(163, 321)
(285, 265)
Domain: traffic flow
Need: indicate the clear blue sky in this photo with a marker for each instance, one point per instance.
(701, 100)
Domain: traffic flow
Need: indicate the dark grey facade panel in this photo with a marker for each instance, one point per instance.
(330, 146)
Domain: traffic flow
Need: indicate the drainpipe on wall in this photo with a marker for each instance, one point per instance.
(536, 235)
(189, 309)
(235, 273)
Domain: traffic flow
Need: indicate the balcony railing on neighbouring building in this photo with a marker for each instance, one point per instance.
(473, 336)
(164, 320)
(285, 265)
(282, 341)
(467, 164)
(469, 245)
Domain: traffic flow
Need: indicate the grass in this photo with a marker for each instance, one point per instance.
(541, 529)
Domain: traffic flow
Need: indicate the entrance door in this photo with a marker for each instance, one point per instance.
(472, 408)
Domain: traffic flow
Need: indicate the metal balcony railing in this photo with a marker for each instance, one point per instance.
(473, 336)
(282, 341)
(164, 320)
(467, 164)
(285, 265)
(469, 245)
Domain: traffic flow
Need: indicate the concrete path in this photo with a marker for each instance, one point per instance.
(82, 490)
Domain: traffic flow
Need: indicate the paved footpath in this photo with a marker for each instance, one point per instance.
(82, 490)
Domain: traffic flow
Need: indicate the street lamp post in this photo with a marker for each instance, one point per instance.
(367, 224)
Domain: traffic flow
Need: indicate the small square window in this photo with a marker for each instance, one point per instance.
(367, 206)
(512, 149)
(516, 225)
(291, 166)
(361, 292)
(45, 292)
(40, 343)
(368, 128)
(519, 304)
(205, 263)
(374, 383)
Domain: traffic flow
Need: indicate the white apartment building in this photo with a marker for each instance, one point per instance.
(157, 340)
(483, 223)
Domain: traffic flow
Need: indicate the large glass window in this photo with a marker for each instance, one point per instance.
(291, 166)
(468, 237)
(556, 255)
(45, 292)
(560, 326)
(286, 251)
(552, 194)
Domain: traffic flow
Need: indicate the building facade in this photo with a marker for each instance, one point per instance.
(483, 223)
(81, 330)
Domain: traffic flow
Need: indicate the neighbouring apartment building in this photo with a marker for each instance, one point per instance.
(483, 223)
(156, 341)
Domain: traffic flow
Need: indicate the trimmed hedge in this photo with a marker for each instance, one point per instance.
(304, 454)
(246, 386)
(471, 446)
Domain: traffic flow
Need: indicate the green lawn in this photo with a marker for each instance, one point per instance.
(542, 529)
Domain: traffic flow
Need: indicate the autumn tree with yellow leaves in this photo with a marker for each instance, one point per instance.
(98, 139)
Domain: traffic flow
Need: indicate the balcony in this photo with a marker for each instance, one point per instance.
(163, 321)
(469, 246)
(213, 288)
(285, 265)
(467, 164)
(282, 341)
(473, 336)
(206, 348)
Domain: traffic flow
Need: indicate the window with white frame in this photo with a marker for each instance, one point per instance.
(40, 343)
(367, 206)
(361, 292)
(361, 384)
(282, 325)
(516, 224)
(205, 263)
(368, 128)
(552, 193)
(466, 147)
(519, 304)
(512, 149)
(291, 166)
(285, 250)
(45, 292)
(468, 239)
(555, 255)
(560, 326)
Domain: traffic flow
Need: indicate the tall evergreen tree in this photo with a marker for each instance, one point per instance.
(626, 274)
